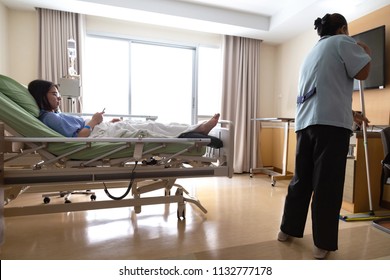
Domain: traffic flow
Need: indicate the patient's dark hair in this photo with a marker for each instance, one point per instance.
(329, 24)
(39, 90)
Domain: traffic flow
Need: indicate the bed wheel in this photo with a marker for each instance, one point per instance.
(273, 183)
(68, 201)
(46, 200)
(181, 212)
(93, 197)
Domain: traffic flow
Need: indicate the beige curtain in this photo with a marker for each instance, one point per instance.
(239, 99)
(55, 29)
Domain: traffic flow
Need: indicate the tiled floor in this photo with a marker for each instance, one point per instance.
(242, 223)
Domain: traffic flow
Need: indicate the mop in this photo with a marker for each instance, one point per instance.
(370, 215)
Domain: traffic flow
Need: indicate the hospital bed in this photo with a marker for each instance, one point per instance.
(140, 166)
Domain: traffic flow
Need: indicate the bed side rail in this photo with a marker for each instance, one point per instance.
(120, 116)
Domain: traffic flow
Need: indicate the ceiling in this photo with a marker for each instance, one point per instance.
(273, 21)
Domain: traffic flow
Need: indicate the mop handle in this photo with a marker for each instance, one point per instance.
(365, 144)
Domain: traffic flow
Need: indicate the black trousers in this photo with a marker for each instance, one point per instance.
(320, 163)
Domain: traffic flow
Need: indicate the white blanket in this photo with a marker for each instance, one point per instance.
(134, 129)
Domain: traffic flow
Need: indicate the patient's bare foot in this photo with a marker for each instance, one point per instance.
(207, 126)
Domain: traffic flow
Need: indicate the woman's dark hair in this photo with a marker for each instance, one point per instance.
(39, 90)
(329, 24)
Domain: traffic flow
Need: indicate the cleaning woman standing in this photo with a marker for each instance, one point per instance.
(323, 125)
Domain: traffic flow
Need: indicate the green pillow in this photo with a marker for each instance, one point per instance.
(21, 121)
(19, 94)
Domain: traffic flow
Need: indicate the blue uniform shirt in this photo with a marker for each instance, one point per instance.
(329, 67)
(67, 125)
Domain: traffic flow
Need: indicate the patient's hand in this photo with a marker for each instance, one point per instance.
(115, 120)
(97, 118)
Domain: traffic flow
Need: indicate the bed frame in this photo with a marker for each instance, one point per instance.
(50, 172)
(49, 162)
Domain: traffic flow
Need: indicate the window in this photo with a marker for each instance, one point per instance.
(176, 83)
(162, 82)
(105, 78)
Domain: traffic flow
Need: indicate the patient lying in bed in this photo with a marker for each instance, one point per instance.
(47, 96)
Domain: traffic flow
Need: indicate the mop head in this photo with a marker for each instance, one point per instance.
(369, 216)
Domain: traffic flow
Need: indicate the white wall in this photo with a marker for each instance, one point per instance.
(266, 100)
(289, 57)
(23, 45)
(3, 39)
